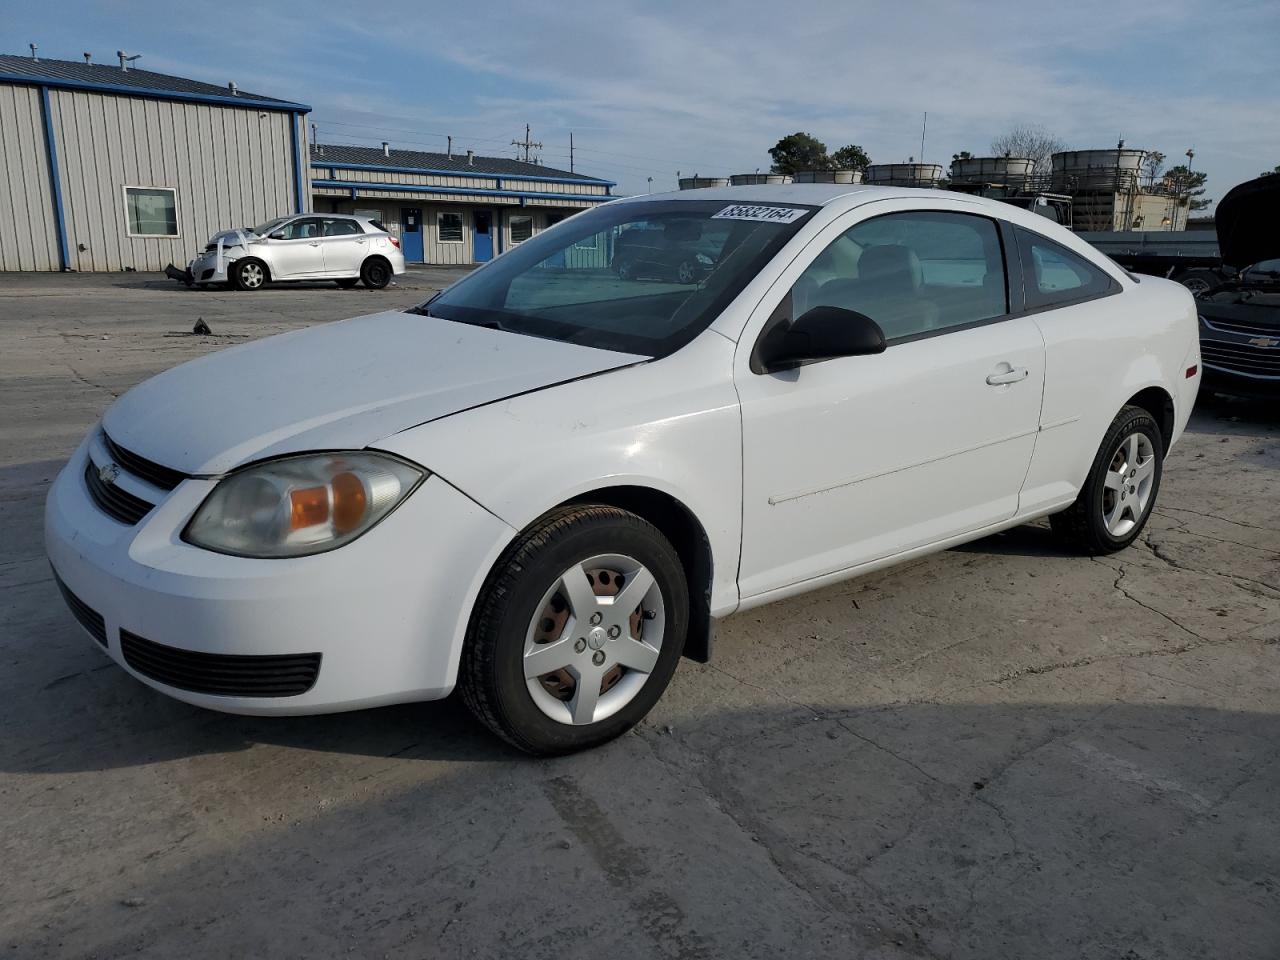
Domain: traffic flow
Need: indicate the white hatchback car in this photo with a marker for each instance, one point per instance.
(320, 246)
(545, 483)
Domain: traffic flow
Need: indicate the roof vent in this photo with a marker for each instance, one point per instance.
(235, 91)
(34, 48)
(126, 60)
(471, 158)
(386, 148)
(450, 148)
(88, 57)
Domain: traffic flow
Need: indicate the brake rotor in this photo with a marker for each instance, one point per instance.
(551, 622)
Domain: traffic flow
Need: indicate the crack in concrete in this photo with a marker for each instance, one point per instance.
(1120, 575)
(1268, 592)
(1214, 516)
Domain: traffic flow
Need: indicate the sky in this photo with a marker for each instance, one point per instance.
(653, 89)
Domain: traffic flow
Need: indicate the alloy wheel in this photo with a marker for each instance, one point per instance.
(251, 275)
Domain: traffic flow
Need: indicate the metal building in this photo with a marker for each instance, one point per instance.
(449, 208)
(108, 167)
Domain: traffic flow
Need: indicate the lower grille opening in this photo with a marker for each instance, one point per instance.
(229, 675)
(89, 618)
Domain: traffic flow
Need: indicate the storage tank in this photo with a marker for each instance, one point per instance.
(1005, 170)
(828, 176)
(697, 183)
(1105, 170)
(754, 179)
(904, 174)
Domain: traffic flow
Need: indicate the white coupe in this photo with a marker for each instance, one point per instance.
(543, 485)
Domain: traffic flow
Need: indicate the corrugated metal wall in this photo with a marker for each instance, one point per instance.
(230, 166)
(28, 226)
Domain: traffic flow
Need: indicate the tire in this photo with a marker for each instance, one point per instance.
(1118, 495)
(624, 269)
(346, 283)
(685, 272)
(1199, 281)
(529, 605)
(375, 273)
(249, 273)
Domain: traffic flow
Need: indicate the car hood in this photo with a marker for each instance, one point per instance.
(232, 238)
(335, 386)
(1246, 221)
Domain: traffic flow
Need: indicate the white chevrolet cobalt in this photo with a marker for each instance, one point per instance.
(545, 483)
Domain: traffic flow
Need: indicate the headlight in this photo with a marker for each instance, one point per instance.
(301, 505)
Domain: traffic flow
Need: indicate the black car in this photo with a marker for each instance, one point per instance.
(677, 250)
(1240, 318)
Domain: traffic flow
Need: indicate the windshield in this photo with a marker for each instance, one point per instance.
(263, 229)
(640, 277)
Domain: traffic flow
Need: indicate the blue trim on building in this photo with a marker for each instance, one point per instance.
(299, 203)
(51, 145)
(432, 171)
(246, 102)
(464, 191)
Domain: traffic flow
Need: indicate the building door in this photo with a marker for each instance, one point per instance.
(481, 236)
(411, 233)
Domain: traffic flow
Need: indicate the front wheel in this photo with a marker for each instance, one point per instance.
(1120, 490)
(577, 631)
(376, 273)
(248, 274)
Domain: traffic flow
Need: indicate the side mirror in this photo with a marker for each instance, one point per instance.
(823, 333)
(278, 235)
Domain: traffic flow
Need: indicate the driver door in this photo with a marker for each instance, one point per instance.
(856, 459)
(298, 252)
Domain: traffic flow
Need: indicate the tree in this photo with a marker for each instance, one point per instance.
(962, 155)
(1152, 165)
(852, 157)
(1029, 141)
(1187, 183)
(1272, 172)
(799, 151)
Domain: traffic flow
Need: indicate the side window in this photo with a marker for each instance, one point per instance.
(912, 273)
(341, 228)
(449, 227)
(308, 228)
(1053, 276)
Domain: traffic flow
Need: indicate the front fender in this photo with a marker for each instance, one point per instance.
(672, 425)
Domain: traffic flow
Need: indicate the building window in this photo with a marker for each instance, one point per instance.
(521, 229)
(449, 226)
(151, 211)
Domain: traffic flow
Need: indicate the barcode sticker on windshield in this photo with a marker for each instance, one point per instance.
(753, 211)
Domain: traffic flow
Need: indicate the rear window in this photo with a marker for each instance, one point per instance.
(379, 225)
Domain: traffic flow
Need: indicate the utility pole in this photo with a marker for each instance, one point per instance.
(526, 144)
(923, 128)
(571, 151)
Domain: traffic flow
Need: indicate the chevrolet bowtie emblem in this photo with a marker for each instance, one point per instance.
(108, 473)
(1264, 342)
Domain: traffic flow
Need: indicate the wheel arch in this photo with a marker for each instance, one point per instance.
(1159, 403)
(261, 261)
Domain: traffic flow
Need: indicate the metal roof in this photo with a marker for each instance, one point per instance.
(337, 155)
(109, 78)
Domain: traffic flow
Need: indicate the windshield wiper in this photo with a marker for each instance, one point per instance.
(423, 311)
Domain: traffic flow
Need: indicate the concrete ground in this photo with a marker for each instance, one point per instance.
(998, 751)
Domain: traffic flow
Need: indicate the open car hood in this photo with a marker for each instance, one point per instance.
(1248, 222)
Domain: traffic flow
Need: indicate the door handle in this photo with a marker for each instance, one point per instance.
(1009, 376)
(314, 243)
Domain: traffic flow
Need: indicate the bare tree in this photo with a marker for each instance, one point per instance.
(1031, 142)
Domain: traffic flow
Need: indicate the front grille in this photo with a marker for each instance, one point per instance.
(275, 675)
(1240, 326)
(166, 478)
(1241, 358)
(89, 618)
(118, 504)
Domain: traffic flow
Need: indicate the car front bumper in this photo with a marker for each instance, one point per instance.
(386, 613)
(205, 268)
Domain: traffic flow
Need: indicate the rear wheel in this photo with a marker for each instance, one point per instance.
(346, 283)
(248, 274)
(1120, 491)
(376, 273)
(577, 631)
